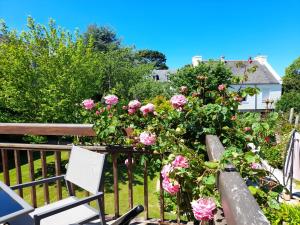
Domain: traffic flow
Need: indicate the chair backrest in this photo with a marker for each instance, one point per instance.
(85, 169)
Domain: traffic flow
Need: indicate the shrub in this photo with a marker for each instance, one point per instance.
(288, 101)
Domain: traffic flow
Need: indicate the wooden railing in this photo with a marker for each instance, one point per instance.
(42, 151)
(239, 205)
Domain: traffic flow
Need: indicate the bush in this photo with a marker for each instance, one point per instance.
(288, 101)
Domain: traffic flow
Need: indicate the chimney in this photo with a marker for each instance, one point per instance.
(196, 60)
(262, 59)
(222, 59)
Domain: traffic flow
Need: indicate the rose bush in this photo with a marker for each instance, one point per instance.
(176, 128)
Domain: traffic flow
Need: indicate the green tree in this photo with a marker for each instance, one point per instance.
(289, 100)
(104, 38)
(155, 57)
(46, 72)
(291, 79)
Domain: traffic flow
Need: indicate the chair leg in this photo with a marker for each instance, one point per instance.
(101, 210)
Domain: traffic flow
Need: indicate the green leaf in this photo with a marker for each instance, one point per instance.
(209, 180)
(211, 165)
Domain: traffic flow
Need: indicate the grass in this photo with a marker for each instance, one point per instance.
(138, 188)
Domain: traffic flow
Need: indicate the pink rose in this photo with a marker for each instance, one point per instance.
(147, 109)
(127, 162)
(166, 170)
(88, 104)
(203, 209)
(135, 104)
(246, 129)
(170, 186)
(97, 112)
(221, 87)
(131, 111)
(180, 161)
(124, 107)
(233, 118)
(178, 101)
(147, 138)
(255, 166)
(111, 99)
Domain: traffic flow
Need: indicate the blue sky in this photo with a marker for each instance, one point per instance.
(180, 29)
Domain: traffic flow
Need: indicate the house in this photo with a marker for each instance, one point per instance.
(162, 75)
(265, 78)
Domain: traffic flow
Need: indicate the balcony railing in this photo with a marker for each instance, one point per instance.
(240, 207)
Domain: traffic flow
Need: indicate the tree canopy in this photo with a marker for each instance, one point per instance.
(291, 79)
(103, 37)
(155, 57)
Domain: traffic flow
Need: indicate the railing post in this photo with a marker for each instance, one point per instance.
(31, 177)
(146, 189)
(5, 167)
(57, 156)
(130, 190)
(161, 196)
(44, 174)
(18, 170)
(291, 117)
(116, 185)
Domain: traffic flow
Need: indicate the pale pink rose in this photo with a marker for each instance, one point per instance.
(147, 109)
(166, 170)
(147, 138)
(178, 101)
(180, 161)
(170, 186)
(233, 118)
(255, 166)
(203, 209)
(127, 162)
(131, 111)
(221, 87)
(97, 112)
(247, 129)
(111, 99)
(88, 104)
(183, 89)
(134, 104)
(124, 107)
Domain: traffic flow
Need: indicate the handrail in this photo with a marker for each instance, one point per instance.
(239, 205)
(48, 129)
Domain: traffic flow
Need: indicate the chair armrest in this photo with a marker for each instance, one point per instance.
(127, 217)
(54, 211)
(36, 182)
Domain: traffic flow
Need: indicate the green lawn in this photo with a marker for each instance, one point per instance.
(138, 189)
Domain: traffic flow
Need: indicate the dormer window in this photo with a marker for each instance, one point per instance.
(155, 77)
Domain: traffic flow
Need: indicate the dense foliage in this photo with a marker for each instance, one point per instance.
(45, 71)
(289, 100)
(291, 88)
(177, 126)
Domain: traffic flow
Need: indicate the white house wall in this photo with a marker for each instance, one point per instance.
(267, 91)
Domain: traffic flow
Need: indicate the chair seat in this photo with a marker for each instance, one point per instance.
(67, 217)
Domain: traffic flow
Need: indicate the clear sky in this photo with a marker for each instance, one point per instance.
(180, 29)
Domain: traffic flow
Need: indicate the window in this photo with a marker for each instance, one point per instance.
(265, 95)
(155, 77)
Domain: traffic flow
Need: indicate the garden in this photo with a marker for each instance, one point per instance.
(51, 76)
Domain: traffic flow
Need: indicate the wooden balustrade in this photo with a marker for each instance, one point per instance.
(42, 151)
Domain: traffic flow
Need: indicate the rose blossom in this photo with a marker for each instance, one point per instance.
(255, 166)
(170, 186)
(97, 112)
(221, 87)
(88, 104)
(111, 99)
(131, 111)
(178, 101)
(233, 118)
(147, 108)
(135, 104)
(180, 161)
(203, 208)
(183, 89)
(147, 138)
(166, 170)
(247, 129)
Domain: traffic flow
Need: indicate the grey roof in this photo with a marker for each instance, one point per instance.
(262, 75)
